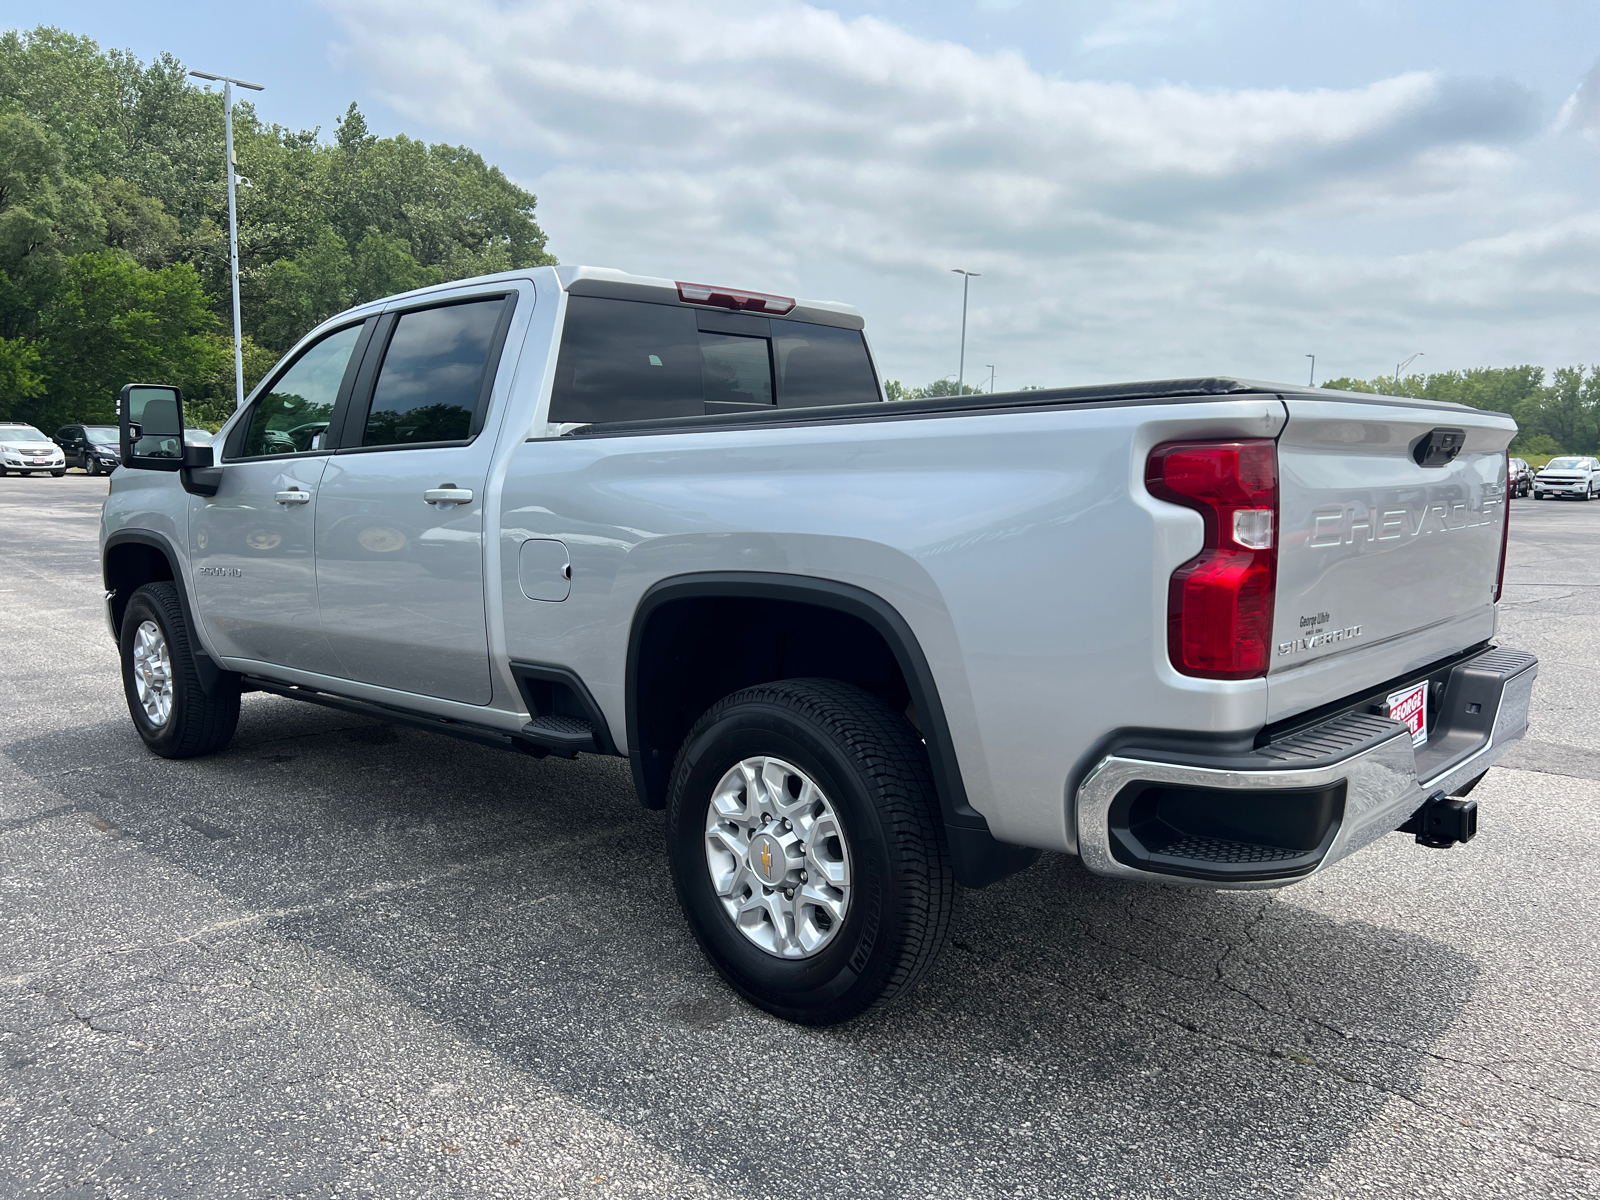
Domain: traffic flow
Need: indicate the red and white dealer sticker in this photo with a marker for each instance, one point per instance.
(1410, 708)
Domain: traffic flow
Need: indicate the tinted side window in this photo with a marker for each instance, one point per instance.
(623, 360)
(293, 417)
(818, 364)
(431, 382)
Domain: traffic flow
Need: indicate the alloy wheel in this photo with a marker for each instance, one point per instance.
(778, 858)
(152, 672)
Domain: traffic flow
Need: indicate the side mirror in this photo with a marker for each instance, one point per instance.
(150, 419)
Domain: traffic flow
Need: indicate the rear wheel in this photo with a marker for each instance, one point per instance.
(807, 850)
(173, 713)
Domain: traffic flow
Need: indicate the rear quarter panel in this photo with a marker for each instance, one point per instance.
(1020, 547)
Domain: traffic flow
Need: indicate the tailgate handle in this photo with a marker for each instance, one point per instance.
(1438, 447)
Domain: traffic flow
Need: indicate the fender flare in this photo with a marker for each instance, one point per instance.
(979, 859)
(211, 675)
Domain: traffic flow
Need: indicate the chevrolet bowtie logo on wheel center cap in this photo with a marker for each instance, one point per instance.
(767, 859)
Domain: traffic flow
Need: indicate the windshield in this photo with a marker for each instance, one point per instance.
(1564, 464)
(101, 435)
(21, 433)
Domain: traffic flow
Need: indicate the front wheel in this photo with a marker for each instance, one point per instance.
(174, 715)
(807, 850)
(60, 473)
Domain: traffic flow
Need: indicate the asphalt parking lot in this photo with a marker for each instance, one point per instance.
(355, 960)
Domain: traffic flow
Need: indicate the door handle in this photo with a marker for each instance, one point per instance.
(448, 495)
(292, 497)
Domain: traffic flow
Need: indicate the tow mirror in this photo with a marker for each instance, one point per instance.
(150, 418)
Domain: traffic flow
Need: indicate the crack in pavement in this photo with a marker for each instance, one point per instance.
(330, 903)
(1234, 1043)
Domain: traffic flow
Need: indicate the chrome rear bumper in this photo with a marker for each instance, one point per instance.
(1364, 759)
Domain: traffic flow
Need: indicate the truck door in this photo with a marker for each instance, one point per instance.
(251, 545)
(399, 520)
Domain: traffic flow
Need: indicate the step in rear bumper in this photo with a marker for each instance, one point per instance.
(1367, 757)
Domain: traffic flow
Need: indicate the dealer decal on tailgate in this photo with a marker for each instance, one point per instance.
(1410, 708)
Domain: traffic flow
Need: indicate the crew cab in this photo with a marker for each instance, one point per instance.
(1208, 632)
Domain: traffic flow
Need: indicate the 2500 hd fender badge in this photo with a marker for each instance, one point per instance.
(220, 572)
(1321, 638)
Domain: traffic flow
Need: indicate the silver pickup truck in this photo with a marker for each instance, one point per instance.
(1197, 631)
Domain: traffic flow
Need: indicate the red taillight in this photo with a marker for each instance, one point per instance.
(1219, 603)
(1505, 533)
(721, 297)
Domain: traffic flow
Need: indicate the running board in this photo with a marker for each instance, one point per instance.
(484, 735)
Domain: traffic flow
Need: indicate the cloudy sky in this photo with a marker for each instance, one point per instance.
(1148, 187)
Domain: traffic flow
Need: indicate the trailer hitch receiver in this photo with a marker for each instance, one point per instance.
(1442, 821)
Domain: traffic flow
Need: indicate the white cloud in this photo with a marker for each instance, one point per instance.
(1132, 22)
(1581, 113)
(1122, 231)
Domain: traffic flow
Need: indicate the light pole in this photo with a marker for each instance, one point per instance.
(1398, 367)
(1313, 382)
(991, 377)
(233, 220)
(966, 278)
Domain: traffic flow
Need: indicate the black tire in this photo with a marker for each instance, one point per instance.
(60, 473)
(873, 767)
(198, 723)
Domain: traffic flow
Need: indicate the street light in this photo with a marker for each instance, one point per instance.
(1313, 382)
(991, 377)
(227, 83)
(966, 278)
(1398, 367)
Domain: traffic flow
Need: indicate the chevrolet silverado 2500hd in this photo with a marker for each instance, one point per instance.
(1202, 631)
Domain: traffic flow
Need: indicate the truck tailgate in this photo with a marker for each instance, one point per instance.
(1385, 564)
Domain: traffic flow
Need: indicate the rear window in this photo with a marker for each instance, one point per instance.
(818, 364)
(628, 360)
(625, 361)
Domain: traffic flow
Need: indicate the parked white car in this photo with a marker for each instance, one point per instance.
(1571, 475)
(24, 449)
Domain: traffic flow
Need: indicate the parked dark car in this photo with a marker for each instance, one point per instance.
(1520, 482)
(92, 447)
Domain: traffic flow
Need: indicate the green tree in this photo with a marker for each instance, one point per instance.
(137, 224)
(115, 322)
(43, 214)
(383, 266)
(896, 390)
(1566, 411)
(121, 153)
(20, 377)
